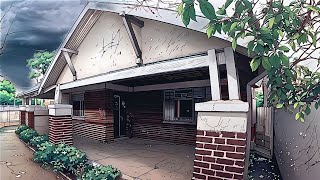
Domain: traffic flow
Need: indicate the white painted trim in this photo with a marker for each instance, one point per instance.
(69, 62)
(214, 75)
(222, 106)
(149, 69)
(232, 76)
(57, 95)
(64, 42)
(69, 50)
(178, 85)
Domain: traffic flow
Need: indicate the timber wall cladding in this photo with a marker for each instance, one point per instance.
(147, 111)
(92, 130)
(98, 123)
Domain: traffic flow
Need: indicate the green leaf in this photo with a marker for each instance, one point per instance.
(211, 30)
(289, 86)
(222, 11)
(192, 13)
(254, 64)
(295, 105)
(186, 16)
(274, 61)
(271, 22)
(296, 36)
(314, 8)
(284, 48)
(234, 43)
(227, 4)
(308, 110)
(207, 9)
(297, 116)
(180, 8)
(234, 25)
(266, 64)
(279, 106)
(284, 59)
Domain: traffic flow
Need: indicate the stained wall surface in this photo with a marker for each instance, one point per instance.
(297, 145)
(107, 46)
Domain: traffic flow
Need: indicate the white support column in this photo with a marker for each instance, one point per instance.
(57, 95)
(232, 76)
(214, 75)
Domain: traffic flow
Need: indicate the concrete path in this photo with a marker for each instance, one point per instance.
(16, 159)
(141, 159)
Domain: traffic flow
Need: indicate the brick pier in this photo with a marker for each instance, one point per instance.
(60, 124)
(221, 141)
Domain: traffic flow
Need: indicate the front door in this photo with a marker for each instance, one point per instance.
(119, 115)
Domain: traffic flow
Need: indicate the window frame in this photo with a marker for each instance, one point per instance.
(81, 115)
(178, 120)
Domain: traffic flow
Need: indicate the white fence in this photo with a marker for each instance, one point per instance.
(9, 115)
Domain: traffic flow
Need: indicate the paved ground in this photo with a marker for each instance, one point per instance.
(141, 159)
(16, 159)
(262, 168)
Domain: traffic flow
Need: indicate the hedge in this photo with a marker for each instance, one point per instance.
(63, 157)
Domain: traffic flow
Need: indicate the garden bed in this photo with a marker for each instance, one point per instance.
(69, 161)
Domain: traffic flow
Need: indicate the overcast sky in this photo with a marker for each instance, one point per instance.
(38, 25)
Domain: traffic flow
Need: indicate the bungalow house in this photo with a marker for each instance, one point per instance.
(121, 65)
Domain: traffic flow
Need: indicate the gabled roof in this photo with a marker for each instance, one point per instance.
(91, 14)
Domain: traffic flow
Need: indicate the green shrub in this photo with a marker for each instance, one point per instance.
(68, 158)
(38, 140)
(28, 134)
(102, 172)
(44, 153)
(21, 128)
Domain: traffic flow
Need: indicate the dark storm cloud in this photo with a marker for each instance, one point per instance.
(38, 25)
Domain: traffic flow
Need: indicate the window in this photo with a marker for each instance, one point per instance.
(179, 106)
(78, 105)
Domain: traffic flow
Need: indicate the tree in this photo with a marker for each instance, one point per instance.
(281, 36)
(7, 94)
(7, 86)
(39, 64)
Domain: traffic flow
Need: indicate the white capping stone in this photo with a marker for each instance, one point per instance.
(60, 109)
(22, 108)
(31, 108)
(221, 121)
(217, 116)
(222, 106)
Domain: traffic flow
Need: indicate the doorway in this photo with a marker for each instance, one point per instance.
(119, 115)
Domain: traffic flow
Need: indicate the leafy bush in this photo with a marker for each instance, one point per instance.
(102, 172)
(68, 158)
(28, 134)
(38, 140)
(44, 154)
(21, 128)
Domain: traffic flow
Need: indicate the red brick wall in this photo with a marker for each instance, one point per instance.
(30, 118)
(22, 117)
(219, 155)
(60, 129)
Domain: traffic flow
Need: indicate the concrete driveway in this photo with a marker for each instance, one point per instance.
(16, 159)
(141, 159)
